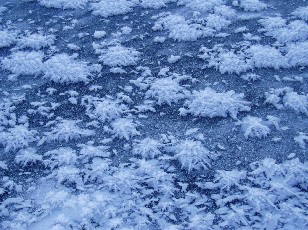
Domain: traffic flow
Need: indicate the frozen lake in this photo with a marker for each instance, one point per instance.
(153, 114)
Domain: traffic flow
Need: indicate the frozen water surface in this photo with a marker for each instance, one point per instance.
(153, 114)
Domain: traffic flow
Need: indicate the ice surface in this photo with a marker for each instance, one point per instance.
(153, 114)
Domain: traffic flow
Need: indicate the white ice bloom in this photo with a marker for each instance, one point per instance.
(28, 157)
(7, 38)
(155, 4)
(229, 62)
(17, 137)
(104, 109)
(64, 4)
(43, 108)
(159, 39)
(118, 70)
(251, 77)
(226, 179)
(267, 57)
(188, 32)
(7, 116)
(297, 55)
(301, 12)
(173, 59)
(89, 151)
(199, 221)
(124, 128)
(217, 22)
(67, 175)
(225, 11)
(147, 148)
(284, 32)
(200, 5)
(119, 56)
(99, 34)
(3, 9)
(254, 127)
(252, 5)
(98, 169)
(275, 96)
(296, 102)
(242, 57)
(192, 155)
(287, 98)
(3, 165)
(209, 103)
(265, 189)
(167, 90)
(126, 30)
(36, 41)
(67, 130)
(60, 157)
(224, 60)
(301, 139)
(106, 8)
(24, 63)
(62, 68)
(180, 29)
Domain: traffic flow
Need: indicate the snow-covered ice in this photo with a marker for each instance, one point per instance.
(153, 114)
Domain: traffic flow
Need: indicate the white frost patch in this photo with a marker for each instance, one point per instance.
(99, 34)
(106, 8)
(284, 32)
(301, 139)
(126, 30)
(297, 54)
(217, 22)
(155, 4)
(267, 57)
(167, 90)
(173, 59)
(254, 127)
(181, 29)
(252, 5)
(104, 109)
(209, 103)
(193, 155)
(3, 9)
(296, 102)
(28, 157)
(201, 5)
(250, 77)
(63, 68)
(64, 4)
(241, 58)
(287, 98)
(159, 39)
(7, 38)
(60, 157)
(36, 41)
(16, 138)
(119, 56)
(226, 61)
(124, 128)
(66, 130)
(24, 63)
(301, 12)
(73, 47)
(147, 148)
